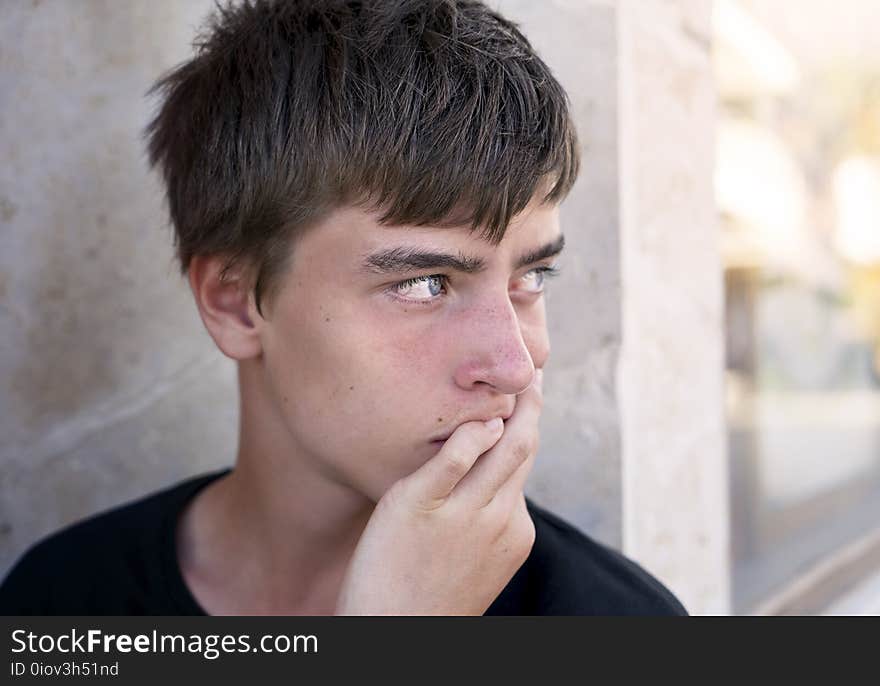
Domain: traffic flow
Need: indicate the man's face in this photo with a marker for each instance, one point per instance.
(369, 360)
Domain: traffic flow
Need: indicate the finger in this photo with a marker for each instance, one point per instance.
(517, 445)
(432, 483)
(512, 490)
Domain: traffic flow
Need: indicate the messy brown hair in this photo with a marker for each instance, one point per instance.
(432, 112)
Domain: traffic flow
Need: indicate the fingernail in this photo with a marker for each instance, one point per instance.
(494, 424)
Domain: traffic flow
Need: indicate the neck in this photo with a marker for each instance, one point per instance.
(276, 534)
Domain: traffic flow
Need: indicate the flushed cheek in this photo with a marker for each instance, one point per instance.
(414, 364)
(418, 356)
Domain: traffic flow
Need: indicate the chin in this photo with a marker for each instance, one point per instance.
(375, 484)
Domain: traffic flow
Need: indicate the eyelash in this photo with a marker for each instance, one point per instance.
(547, 271)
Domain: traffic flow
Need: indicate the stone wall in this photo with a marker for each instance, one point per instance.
(670, 380)
(111, 386)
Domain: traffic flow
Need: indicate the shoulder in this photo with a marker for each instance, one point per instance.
(570, 573)
(76, 569)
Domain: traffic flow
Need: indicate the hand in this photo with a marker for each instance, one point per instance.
(447, 539)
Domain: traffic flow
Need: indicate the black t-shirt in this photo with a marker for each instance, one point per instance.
(124, 562)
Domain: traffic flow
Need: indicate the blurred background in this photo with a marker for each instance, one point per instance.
(713, 396)
(797, 183)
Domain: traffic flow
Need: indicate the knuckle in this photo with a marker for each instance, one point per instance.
(531, 446)
(456, 465)
(402, 497)
(523, 449)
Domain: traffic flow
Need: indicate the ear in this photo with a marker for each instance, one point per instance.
(226, 307)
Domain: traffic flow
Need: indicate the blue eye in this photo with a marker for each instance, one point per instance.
(540, 274)
(434, 284)
(435, 280)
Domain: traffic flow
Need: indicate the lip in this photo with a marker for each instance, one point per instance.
(504, 418)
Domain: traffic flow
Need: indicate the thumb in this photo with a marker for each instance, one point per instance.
(432, 483)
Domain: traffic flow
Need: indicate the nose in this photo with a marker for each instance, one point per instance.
(499, 349)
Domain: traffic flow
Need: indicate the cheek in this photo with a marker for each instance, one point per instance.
(413, 355)
(380, 387)
(315, 365)
(352, 372)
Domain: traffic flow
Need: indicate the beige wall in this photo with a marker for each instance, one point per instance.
(112, 388)
(670, 379)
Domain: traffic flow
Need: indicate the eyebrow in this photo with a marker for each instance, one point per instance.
(402, 259)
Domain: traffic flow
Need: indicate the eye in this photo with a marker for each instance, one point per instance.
(535, 278)
(425, 290)
(410, 289)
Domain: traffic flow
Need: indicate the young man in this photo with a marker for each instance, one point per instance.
(365, 198)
